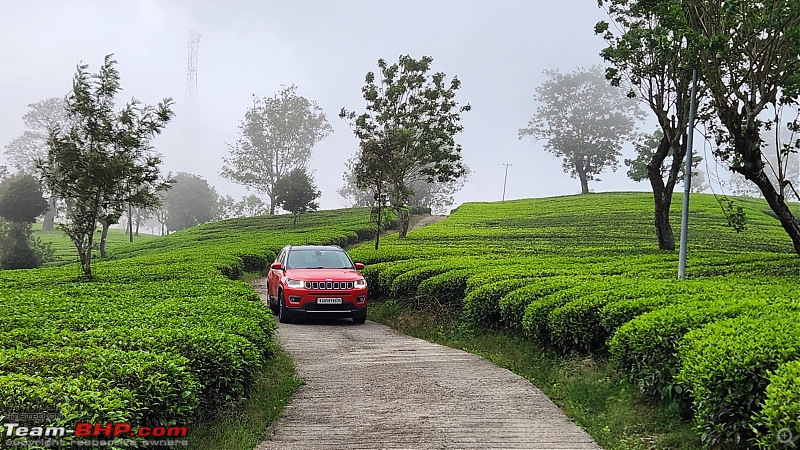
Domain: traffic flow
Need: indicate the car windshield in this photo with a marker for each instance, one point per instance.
(318, 259)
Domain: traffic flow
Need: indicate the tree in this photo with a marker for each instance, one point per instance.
(21, 202)
(584, 120)
(653, 64)
(253, 205)
(26, 149)
(296, 193)
(408, 131)
(191, 201)
(21, 199)
(748, 58)
(101, 159)
(276, 136)
(226, 208)
(434, 195)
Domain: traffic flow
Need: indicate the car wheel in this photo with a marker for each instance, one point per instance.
(283, 315)
(360, 318)
(272, 305)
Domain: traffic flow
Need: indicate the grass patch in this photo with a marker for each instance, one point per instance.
(587, 389)
(243, 427)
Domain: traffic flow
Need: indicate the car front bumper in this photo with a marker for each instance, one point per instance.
(311, 309)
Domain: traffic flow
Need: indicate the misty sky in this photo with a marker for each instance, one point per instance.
(498, 49)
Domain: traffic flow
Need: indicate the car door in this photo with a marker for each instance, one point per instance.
(273, 278)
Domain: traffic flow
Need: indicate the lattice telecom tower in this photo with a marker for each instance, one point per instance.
(191, 75)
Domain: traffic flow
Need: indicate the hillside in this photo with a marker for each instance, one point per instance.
(64, 249)
(163, 333)
(582, 275)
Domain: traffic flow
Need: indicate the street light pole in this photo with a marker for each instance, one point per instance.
(504, 180)
(687, 178)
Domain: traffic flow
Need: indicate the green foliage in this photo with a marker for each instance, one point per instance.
(446, 288)
(190, 201)
(21, 199)
(781, 409)
(100, 160)
(162, 334)
(579, 274)
(407, 132)
(482, 305)
(584, 120)
(296, 193)
(277, 135)
(726, 368)
(18, 250)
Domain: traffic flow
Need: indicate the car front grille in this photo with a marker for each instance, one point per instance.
(332, 285)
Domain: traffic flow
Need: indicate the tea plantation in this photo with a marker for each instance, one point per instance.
(164, 333)
(582, 274)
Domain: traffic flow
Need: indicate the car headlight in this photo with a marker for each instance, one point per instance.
(295, 283)
(361, 284)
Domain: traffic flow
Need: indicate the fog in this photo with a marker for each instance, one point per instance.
(497, 49)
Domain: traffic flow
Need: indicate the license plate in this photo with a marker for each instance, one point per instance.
(329, 301)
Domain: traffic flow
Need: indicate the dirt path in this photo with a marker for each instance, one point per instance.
(370, 387)
(427, 220)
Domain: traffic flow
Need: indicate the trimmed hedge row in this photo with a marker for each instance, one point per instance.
(162, 334)
(726, 370)
(581, 274)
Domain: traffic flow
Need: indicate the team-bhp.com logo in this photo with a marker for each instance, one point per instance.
(92, 432)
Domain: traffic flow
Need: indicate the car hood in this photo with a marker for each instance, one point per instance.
(323, 274)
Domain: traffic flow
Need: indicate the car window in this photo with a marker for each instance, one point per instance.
(318, 259)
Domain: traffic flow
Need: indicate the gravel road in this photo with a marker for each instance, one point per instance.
(370, 387)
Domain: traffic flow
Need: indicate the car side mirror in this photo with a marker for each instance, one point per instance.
(359, 266)
(276, 266)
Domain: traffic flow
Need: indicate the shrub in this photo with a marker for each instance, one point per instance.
(446, 288)
(726, 368)
(513, 305)
(645, 349)
(781, 408)
(482, 305)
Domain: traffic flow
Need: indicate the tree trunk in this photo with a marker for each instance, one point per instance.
(137, 227)
(272, 205)
(584, 182)
(776, 202)
(50, 216)
(294, 219)
(103, 238)
(378, 227)
(403, 217)
(662, 194)
(130, 222)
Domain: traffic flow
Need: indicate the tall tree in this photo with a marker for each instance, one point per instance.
(297, 193)
(100, 158)
(21, 202)
(584, 120)
(408, 130)
(26, 149)
(653, 64)
(748, 57)
(190, 201)
(276, 136)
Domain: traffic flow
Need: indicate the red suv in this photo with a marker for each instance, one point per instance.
(311, 280)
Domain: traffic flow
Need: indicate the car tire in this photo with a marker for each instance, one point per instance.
(360, 318)
(283, 315)
(272, 305)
